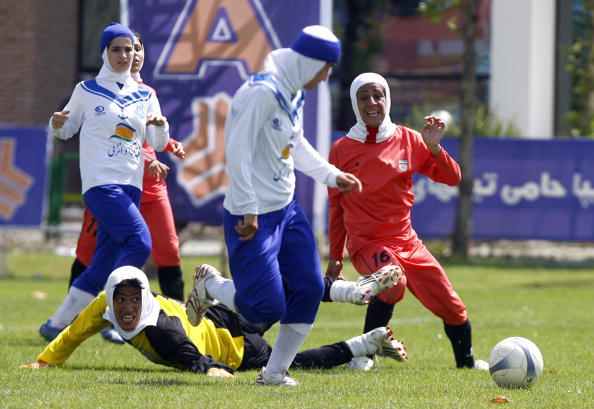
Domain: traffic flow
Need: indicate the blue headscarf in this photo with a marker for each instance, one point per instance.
(112, 31)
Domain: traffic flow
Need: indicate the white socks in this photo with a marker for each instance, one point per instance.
(221, 289)
(368, 343)
(345, 291)
(289, 340)
(75, 301)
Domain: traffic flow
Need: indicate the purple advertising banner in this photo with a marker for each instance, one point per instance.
(523, 189)
(198, 52)
(23, 169)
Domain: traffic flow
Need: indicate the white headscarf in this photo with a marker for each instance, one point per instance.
(108, 75)
(359, 131)
(150, 306)
(291, 69)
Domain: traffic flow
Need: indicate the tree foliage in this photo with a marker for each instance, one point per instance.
(580, 66)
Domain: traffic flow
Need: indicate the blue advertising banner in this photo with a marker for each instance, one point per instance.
(198, 52)
(23, 169)
(523, 189)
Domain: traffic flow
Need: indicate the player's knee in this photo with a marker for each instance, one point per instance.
(313, 292)
(392, 295)
(268, 310)
(138, 247)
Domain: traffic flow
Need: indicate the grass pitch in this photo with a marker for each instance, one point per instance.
(551, 306)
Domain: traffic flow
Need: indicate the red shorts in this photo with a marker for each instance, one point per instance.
(423, 276)
(158, 216)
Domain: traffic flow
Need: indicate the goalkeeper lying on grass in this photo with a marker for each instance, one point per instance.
(223, 341)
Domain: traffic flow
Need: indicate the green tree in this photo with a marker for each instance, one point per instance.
(466, 26)
(580, 65)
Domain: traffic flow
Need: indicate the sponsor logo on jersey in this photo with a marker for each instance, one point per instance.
(124, 131)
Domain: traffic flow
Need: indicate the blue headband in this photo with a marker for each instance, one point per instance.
(112, 31)
(311, 44)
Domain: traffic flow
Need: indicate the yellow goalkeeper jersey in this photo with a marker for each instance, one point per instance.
(216, 342)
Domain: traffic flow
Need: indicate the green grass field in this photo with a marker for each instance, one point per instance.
(552, 306)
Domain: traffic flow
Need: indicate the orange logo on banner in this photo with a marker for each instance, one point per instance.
(202, 173)
(218, 32)
(14, 183)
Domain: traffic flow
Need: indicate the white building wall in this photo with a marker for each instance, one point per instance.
(523, 64)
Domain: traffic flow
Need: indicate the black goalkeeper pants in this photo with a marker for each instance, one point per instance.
(257, 351)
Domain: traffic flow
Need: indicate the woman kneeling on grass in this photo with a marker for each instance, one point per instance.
(223, 342)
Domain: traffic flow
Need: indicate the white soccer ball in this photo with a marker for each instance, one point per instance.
(515, 362)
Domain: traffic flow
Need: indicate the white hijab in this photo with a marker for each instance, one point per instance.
(359, 131)
(291, 69)
(150, 306)
(108, 75)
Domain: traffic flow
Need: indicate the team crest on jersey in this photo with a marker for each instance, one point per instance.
(403, 165)
(210, 34)
(99, 110)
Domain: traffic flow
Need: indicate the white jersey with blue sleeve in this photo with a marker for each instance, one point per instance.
(113, 128)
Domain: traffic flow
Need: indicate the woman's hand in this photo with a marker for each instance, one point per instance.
(247, 227)
(158, 169)
(157, 120)
(35, 365)
(219, 373)
(334, 269)
(432, 133)
(177, 149)
(347, 182)
(59, 118)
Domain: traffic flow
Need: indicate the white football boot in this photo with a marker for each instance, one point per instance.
(361, 363)
(481, 365)
(363, 290)
(275, 379)
(199, 300)
(378, 341)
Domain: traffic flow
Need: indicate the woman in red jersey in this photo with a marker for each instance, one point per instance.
(375, 224)
(154, 207)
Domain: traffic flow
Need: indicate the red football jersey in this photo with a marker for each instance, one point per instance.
(382, 211)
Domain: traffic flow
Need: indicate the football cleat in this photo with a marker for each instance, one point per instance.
(199, 301)
(277, 379)
(49, 332)
(481, 365)
(392, 348)
(370, 286)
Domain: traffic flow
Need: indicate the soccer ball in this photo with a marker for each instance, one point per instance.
(515, 362)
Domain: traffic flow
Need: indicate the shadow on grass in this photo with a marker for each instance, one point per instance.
(118, 369)
(559, 284)
(519, 263)
(17, 278)
(24, 342)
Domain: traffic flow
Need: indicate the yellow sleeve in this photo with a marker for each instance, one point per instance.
(89, 322)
